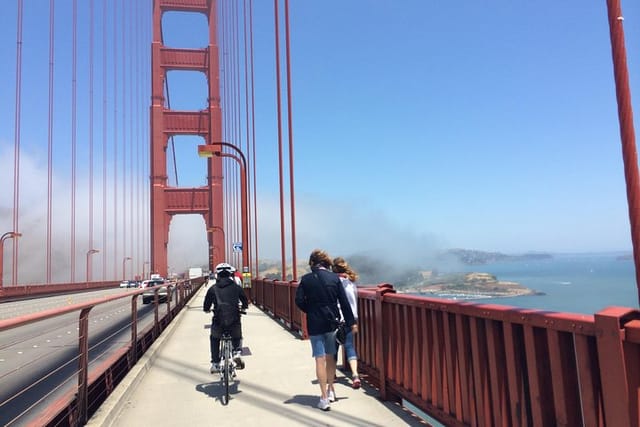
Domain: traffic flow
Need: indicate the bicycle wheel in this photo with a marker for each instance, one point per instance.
(227, 371)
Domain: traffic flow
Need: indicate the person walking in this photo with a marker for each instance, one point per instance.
(318, 295)
(226, 297)
(348, 278)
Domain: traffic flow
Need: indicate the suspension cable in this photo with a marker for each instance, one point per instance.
(253, 138)
(50, 141)
(74, 134)
(292, 208)
(16, 147)
(280, 167)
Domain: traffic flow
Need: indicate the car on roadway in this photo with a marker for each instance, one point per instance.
(124, 284)
(149, 295)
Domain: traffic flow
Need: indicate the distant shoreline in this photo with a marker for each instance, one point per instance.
(469, 286)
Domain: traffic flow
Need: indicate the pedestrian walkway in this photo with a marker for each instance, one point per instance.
(171, 384)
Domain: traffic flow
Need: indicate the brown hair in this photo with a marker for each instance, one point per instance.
(341, 266)
(319, 257)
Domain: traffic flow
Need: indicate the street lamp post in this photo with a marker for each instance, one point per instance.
(5, 236)
(243, 205)
(123, 261)
(144, 269)
(89, 253)
(211, 150)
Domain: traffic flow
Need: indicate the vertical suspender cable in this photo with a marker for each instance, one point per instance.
(50, 143)
(138, 136)
(226, 122)
(223, 106)
(625, 118)
(132, 46)
(133, 141)
(128, 213)
(280, 172)
(90, 132)
(104, 141)
(123, 30)
(74, 131)
(16, 145)
(115, 140)
(253, 138)
(290, 121)
(105, 244)
(238, 135)
(145, 87)
(230, 125)
(247, 139)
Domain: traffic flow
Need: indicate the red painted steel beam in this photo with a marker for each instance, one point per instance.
(184, 59)
(201, 6)
(616, 382)
(186, 122)
(83, 364)
(590, 388)
(187, 200)
(563, 377)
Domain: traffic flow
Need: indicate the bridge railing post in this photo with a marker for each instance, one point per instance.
(83, 368)
(381, 347)
(620, 376)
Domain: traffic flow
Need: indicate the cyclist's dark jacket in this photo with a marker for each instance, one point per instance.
(312, 300)
(230, 295)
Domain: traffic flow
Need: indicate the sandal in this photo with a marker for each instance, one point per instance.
(356, 383)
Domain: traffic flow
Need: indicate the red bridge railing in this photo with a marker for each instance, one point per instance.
(469, 364)
(94, 385)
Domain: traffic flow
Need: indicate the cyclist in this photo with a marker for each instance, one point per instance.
(226, 297)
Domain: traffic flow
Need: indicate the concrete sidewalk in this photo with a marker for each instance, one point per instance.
(171, 385)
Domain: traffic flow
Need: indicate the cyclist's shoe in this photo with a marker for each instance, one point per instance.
(238, 360)
(323, 404)
(215, 367)
(356, 382)
(331, 395)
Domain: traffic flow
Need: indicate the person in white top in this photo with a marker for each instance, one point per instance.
(348, 277)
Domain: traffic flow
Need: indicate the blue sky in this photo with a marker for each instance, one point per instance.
(417, 125)
(486, 126)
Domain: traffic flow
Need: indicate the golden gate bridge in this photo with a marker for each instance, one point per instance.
(464, 364)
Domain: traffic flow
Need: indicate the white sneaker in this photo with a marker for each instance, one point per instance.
(214, 368)
(324, 404)
(331, 396)
(238, 360)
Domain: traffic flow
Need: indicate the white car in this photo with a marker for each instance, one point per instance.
(124, 284)
(149, 296)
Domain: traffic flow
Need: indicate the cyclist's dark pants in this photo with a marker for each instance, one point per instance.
(235, 330)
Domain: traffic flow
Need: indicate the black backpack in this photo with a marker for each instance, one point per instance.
(226, 314)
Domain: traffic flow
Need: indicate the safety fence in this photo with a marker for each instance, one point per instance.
(468, 364)
(75, 375)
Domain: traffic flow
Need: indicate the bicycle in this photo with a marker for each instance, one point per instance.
(227, 364)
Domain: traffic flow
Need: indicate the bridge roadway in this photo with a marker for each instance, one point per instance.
(171, 384)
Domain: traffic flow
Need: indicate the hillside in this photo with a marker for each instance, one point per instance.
(467, 286)
(427, 281)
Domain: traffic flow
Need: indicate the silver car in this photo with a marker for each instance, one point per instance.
(149, 295)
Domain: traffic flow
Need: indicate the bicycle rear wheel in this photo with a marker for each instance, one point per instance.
(227, 371)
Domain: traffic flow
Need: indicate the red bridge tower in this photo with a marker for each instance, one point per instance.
(168, 201)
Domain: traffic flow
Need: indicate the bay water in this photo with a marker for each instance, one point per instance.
(575, 283)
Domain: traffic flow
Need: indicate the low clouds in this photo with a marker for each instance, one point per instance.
(344, 228)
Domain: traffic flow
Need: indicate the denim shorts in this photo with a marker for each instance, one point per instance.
(323, 344)
(349, 347)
